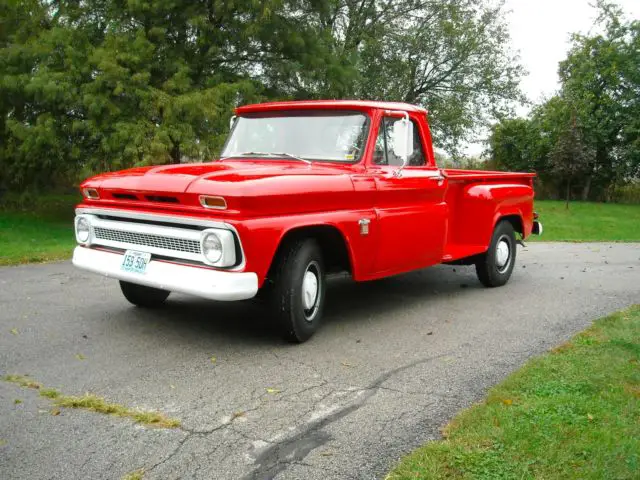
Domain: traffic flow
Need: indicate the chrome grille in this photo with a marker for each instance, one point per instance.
(147, 240)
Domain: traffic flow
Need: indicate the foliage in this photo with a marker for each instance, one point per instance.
(98, 85)
(449, 56)
(586, 139)
(570, 414)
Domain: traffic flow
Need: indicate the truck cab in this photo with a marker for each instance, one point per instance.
(301, 190)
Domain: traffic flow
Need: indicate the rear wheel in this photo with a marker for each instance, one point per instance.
(142, 296)
(494, 267)
(298, 290)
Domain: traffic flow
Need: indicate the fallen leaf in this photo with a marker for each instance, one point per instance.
(272, 390)
(80, 356)
(590, 417)
(347, 364)
(17, 401)
(173, 387)
(55, 412)
(14, 331)
(507, 401)
(237, 414)
(213, 359)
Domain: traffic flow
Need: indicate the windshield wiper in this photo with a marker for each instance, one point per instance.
(270, 154)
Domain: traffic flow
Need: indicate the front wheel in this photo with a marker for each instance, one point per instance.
(298, 290)
(142, 296)
(494, 267)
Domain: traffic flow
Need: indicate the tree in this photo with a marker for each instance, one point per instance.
(450, 56)
(600, 80)
(571, 156)
(586, 136)
(101, 85)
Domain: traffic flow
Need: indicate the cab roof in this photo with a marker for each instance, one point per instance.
(364, 105)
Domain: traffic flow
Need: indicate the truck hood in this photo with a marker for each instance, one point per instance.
(252, 187)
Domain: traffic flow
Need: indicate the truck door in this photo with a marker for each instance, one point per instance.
(412, 213)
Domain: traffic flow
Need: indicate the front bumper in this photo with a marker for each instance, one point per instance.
(201, 282)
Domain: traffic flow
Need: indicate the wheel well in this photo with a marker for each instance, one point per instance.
(332, 244)
(515, 220)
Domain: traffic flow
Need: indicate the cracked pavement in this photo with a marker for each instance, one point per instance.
(394, 361)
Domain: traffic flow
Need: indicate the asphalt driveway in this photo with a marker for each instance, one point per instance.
(394, 362)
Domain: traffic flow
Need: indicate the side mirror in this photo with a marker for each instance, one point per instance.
(403, 139)
(232, 121)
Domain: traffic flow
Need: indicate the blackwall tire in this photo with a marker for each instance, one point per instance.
(141, 296)
(298, 290)
(495, 266)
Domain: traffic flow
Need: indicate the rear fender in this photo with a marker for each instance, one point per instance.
(484, 205)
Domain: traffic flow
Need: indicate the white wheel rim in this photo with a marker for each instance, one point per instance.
(503, 254)
(311, 290)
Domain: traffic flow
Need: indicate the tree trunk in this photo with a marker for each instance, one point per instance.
(175, 153)
(586, 189)
(566, 205)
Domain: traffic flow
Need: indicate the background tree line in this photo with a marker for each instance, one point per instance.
(96, 85)
(584, 142)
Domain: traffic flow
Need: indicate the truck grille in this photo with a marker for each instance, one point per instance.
(147, 240)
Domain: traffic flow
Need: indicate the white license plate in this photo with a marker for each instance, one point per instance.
(135, 261)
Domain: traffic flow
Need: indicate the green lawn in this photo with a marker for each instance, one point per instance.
(44, 232)
(588, 222)
(573, 413)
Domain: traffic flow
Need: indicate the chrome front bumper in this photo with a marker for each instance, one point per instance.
(193, 280)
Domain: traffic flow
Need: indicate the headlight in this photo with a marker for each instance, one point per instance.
(212, 247)
(83, 230)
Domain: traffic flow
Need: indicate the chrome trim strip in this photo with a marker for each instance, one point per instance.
(179, 220)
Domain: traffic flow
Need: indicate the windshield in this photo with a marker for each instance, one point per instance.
(308, 135)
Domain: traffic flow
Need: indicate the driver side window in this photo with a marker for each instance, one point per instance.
(383, 152)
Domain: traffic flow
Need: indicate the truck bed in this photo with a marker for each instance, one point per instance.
(476, 199)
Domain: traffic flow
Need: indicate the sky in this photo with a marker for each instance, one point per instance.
(540, 32)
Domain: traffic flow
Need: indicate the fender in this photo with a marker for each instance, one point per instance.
(261, 238)
(483, 205)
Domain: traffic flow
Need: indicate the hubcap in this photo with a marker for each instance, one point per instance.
(311, 290)
(503, 255)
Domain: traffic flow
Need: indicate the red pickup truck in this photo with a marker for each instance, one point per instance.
(302, 189)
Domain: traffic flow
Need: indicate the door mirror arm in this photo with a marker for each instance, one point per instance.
(402, 141)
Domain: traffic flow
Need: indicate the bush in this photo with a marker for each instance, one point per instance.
(629, 193)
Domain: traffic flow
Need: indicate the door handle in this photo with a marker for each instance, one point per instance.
(438, 178)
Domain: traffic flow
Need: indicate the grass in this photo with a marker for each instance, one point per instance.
(588, 222)
(94, 403)
(42, 232)
(573, 413)
(136, 475)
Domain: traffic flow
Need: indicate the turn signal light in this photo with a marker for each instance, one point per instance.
(218, 203)
(91, 193)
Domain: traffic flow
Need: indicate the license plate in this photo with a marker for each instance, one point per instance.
(135, 261)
